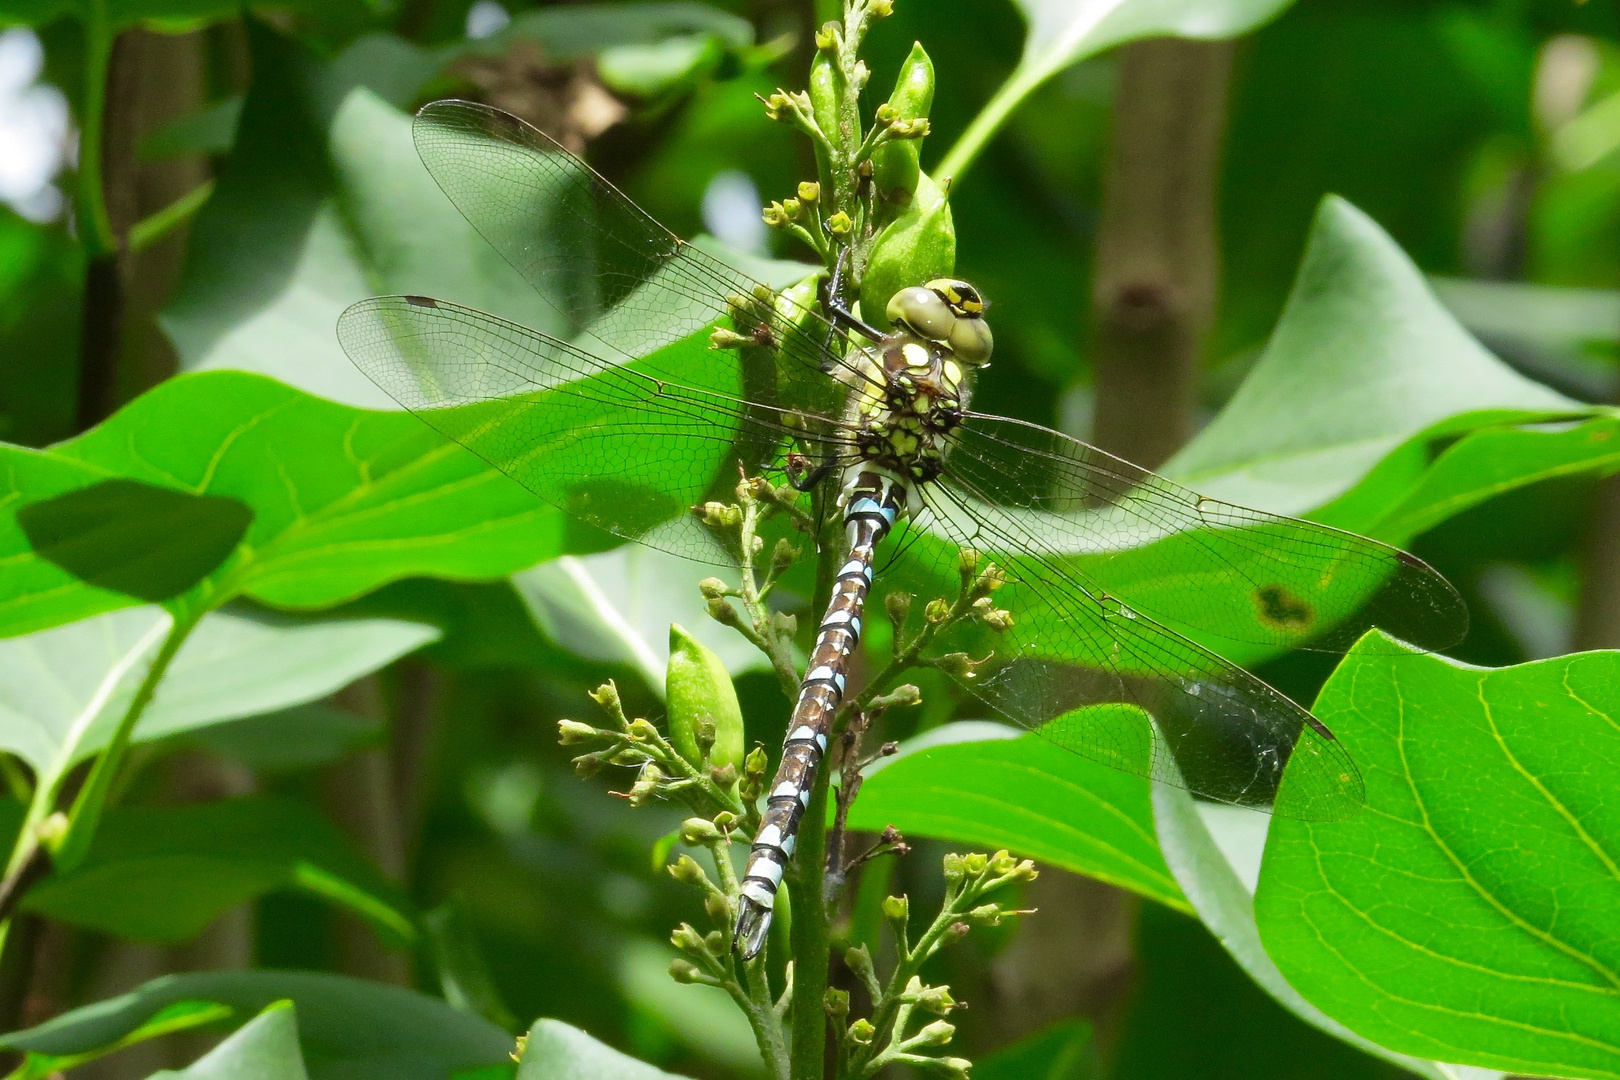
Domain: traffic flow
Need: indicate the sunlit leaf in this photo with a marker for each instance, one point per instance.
(1467, 914)
(556, 1051)
(265, 1048)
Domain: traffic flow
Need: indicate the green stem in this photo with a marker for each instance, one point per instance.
(812, 943)
(989, 121)
(149, 230)
(92, 798)
(94, 223)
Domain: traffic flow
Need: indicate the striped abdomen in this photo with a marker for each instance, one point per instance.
(874, 501)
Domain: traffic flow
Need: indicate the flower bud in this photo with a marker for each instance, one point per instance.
(683, 971)
(696, 831)
(986, 915)
(976, 863)
(782, 556)
(791, 208)
(809, 192)
(898, 605)
(725, 821)
(954, 868)
(757, 762)
(715, 941)
(572, 732)
(686, 870)
(955, 1068)
(607, 696)
(728, 339)
(967, 563)
(705, 720)
(885, 114)
(713, 588)
(836, 1002)
(1000, 620)
(936, 999)
(896, 909)
(880, 9)
(840, 224)
(784, 624)
(687, 939)
(859, 961)
(827, 36)
(642, 731)
(936, 611)
(775, 215)
(724, 776)
(717, 907)
(937, 1033)
(955, 932)
(1002, 862)
(957, 664)
(861, 1032)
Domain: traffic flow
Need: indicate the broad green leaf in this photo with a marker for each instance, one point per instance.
(301, 737)
(349, 1029)
(342, 500)
(173, 1018)
(1062, 33)
(1223, 900)
(555, 1051)
(1363, 359)
(703, 1018)
(1468, 913)
(62, 691)
(1027, 795)
(1563, 331)
(265, 1048)
(615, 607)
(164, 873)
(323, 203)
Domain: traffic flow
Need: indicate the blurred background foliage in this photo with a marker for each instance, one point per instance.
(1483, 135)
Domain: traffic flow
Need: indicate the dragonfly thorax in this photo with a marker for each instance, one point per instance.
(913, 400)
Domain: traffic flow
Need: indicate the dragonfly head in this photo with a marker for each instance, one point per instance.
(946, 310)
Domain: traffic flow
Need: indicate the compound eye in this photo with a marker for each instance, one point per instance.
(970, 340)
(963, 299)
(924, 311)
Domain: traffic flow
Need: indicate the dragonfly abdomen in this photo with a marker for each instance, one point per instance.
(874, 500)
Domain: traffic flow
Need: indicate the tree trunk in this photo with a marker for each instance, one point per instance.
(1157, 252)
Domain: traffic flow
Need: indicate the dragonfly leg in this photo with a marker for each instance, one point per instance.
(803, 475)
(839, 308)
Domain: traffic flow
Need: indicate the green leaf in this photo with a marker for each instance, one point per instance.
(323, 203)
(265, 1048)
(349, 1029)
(1064, 32)
(62, 691)
(615, 607)
(302, 737)
(1024, 794)
(164, 873)
(177, 1017)
(1468, 913)
(1363, 359)
(170, 16)
(698, 690)
(1225, 903)
(342, 500)
(555, 1051)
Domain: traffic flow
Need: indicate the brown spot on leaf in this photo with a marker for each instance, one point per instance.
(1282, 609)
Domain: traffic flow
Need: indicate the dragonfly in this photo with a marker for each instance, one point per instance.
(1116, 584)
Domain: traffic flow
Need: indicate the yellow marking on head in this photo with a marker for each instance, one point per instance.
(916, 356)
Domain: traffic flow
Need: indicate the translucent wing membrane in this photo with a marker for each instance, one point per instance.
(1205, 565)
(619, 446)
(1086, 671)
(622, 283)
(623, 416)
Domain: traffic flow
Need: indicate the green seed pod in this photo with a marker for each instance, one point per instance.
(917, 246)
(698, 690)
(894, 164)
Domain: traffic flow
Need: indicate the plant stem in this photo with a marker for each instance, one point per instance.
(811, 937)
(92, 798)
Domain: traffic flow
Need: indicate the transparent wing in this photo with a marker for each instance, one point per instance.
(618, 277)
(1209, 566)
(1086, 671)
(619, 446)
